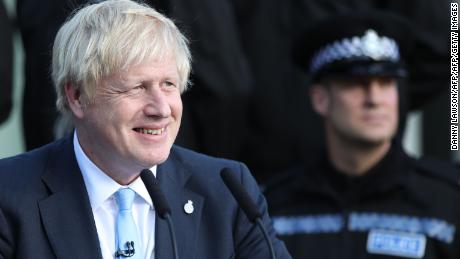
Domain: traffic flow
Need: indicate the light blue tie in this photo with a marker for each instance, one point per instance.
(127, 239)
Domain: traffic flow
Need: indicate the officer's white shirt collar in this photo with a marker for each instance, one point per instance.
(99, 185)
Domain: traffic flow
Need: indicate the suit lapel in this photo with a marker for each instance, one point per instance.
(66, 214)
(175, 182)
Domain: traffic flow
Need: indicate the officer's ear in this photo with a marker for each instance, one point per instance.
(320, 98)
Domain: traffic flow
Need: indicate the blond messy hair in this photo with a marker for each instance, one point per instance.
(105, 38)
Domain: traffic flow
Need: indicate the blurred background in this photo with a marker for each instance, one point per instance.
(248, 101)
(11, 134)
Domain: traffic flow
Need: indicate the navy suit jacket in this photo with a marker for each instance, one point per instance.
(45, 210)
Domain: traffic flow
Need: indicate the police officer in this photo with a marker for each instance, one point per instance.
(364, 197)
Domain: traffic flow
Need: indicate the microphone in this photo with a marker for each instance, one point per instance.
(246, 203)
(161, 205)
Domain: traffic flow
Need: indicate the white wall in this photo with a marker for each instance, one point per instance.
(412, 138)
(11, 141)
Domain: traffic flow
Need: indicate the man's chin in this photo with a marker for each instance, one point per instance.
(155, 159)
(374, 141)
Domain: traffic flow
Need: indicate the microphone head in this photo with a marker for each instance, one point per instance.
(153, 187)
(240, 194)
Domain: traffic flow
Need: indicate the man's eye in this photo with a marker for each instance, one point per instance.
(170, 84)
(387, 81)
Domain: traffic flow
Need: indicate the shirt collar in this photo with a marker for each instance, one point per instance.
(99, 185)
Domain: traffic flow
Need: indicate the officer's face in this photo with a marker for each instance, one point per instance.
(361, 109)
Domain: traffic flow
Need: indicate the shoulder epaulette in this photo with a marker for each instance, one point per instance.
(445, 171)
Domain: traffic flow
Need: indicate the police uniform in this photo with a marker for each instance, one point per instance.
(401, 207)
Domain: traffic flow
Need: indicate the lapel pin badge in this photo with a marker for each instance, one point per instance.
(188, 207)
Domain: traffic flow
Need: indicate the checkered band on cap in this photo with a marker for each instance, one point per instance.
(370, 46)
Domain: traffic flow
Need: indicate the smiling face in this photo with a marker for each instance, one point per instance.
(133, 119)
(360, 110)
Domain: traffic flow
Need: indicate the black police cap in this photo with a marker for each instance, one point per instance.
(355, 44)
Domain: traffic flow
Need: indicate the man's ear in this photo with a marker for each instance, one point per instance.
(74, 99)
(320, 99)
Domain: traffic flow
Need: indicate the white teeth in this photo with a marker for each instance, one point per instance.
(152, 131)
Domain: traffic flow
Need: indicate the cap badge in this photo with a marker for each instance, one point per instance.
(372, 45)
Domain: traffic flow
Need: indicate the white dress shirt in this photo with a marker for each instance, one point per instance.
(101, 189)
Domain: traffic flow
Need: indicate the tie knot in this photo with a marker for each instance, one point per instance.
(125, 197)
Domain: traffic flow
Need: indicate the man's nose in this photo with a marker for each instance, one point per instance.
(158, 104)
(373, 92)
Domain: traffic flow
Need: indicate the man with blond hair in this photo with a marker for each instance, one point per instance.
(119, 69)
